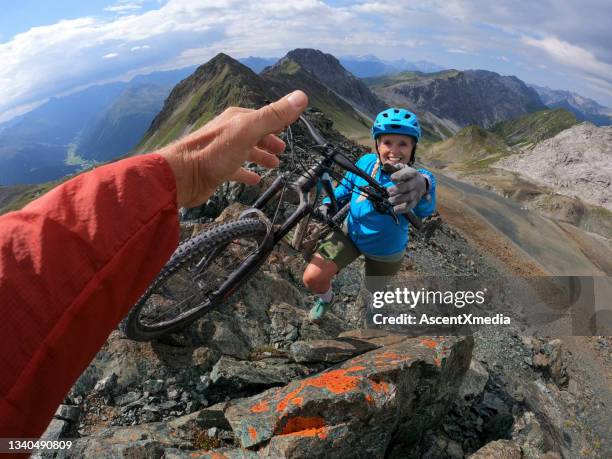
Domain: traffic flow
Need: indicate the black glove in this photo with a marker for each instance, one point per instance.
(410, 186)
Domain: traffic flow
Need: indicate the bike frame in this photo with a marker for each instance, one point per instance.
(317, 176)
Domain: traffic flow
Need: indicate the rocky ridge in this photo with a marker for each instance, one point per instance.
(451, 100)
(330, 71)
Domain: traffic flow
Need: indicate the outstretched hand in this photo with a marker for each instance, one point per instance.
(216, 152)
(410, 186)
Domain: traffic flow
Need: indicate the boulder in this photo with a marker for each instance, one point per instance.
(392, 394)
(236, 375)
(500, 449)
(474, 382)
(146, 440)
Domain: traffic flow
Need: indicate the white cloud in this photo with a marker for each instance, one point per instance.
(377, 7)
(123, 8)
(53, 59)
(569, 55)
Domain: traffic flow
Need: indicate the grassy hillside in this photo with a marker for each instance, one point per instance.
(15, 197)
(527, 130)
(220, 83)
(469, 148)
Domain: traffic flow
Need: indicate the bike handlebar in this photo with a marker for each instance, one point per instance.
(345, 163)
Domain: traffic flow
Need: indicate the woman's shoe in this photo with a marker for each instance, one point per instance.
(319, 309)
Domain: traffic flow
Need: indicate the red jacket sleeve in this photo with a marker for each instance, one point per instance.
(72, 263)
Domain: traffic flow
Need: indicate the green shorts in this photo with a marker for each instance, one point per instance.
(339, 248)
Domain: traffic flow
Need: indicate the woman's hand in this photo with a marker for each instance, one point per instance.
(410, 186)
(215, 153)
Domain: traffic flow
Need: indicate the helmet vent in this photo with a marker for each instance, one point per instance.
(406, 116)
(396, 110)
(386, 115)
(395, 126)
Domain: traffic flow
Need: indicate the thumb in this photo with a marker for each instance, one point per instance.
(274, 117)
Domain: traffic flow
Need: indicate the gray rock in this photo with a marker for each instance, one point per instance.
(203, 419)
(329, 351)
(54, 431)
(142, 441)
(126, 399)
(474, 381)
(359, 405)
(107, 384)
(499, 449)
(68, 413)
(153, 386)
(235, 375)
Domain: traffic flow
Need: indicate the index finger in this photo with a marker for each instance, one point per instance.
(274, 117)
(404, 174)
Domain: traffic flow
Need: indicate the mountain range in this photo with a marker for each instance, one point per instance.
(107, 121)
(584, 108)
(451, 99)
(67, 133)
(223, 82)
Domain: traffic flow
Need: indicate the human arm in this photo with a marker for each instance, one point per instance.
(74, 261)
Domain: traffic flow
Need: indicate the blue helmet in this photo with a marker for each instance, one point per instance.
(396, 121)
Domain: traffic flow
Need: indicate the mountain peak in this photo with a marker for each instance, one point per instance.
(219, 83)
(328, 69)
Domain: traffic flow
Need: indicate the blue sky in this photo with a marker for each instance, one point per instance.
(52, 50)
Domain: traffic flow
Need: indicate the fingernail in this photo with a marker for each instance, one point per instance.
(297, 99)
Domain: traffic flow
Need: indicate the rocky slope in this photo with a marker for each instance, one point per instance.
(451, 100)
(330, 72)
(474, 154)
(256, 379)
(576, 162)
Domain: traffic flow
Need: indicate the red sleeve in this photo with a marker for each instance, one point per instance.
(72, 263)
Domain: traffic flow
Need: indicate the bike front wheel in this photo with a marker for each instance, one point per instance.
(194, 279)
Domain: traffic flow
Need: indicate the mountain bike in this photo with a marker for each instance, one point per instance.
(207, 269)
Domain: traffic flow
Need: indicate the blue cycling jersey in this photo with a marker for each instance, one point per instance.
(372, 232)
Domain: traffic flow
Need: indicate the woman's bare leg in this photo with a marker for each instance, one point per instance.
(319, 274)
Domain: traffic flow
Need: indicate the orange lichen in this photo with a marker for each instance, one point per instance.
(390, 355)
(369, 398)
(380, 386)
(252, 433)
(214, 455)
(430, 343)
(305, 427)
(260, 407)
(437, 361)
(336, 381)
(297, 401)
